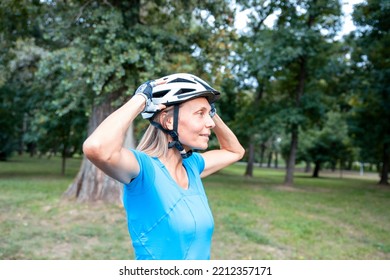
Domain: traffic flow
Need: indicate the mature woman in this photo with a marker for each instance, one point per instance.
(167, 209)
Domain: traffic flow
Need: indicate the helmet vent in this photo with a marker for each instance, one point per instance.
(159, 94)
(181, 80)
(184, 90)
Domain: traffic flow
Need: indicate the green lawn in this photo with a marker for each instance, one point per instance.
(255, 218)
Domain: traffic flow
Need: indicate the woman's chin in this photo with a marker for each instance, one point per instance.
(197, 148)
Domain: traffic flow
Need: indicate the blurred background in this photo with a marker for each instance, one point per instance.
(305, 86)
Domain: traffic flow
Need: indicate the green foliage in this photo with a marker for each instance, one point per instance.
(59, 59)
(331, 144)
(17, 93)
(67, 57)
(370, 97)
(8, 119)
(286, 63)
(305, 52)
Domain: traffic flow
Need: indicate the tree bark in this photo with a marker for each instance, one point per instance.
(262, 151)
(276, 160)
(302, 76)
(91, 184)
(289, 178)
(290, 166)
(384, 176)
(269, 159)
(316, 171)
(64, 153)
(251, 159)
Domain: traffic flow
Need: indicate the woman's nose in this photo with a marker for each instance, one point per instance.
(209, 122)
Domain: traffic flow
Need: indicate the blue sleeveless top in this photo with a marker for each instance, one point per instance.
(165, 221)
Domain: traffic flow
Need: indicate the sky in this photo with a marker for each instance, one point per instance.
(347, 7)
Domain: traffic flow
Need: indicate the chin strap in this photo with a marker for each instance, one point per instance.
(174, 134)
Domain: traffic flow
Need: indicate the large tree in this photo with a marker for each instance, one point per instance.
(257, 59)
(329, 145)
(110, 47)
(370, 94)
(301, 26)
(18, 59)
(286, 60)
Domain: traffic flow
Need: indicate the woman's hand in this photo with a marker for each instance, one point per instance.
(146, 91)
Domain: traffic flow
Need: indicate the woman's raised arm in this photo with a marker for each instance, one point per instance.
(104, 147)
(229, 152)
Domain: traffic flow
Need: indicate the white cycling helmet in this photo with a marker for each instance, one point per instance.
(178, 88)
(171, 91)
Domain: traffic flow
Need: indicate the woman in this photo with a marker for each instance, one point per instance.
(167, 210)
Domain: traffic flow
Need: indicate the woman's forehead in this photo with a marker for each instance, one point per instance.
(200, 102)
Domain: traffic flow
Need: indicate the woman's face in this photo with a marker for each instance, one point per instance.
(195, 123)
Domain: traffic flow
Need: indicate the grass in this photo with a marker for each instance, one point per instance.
(255, 218)
(35, 223)
(325, 218)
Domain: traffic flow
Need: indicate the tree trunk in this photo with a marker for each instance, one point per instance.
(251, 159)
(269, 159)
(276, 159)
(384, 176)
(262, 151)
(290, 166)
(316, 171)
(289, 178)
(251, 156)
(91, 184)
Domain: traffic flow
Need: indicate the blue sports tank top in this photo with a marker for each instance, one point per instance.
(165, 221)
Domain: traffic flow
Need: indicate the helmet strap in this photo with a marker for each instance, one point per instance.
(174, 133)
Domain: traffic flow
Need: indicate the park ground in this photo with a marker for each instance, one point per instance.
(336, 217)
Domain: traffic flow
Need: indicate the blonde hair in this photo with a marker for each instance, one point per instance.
(155, 142)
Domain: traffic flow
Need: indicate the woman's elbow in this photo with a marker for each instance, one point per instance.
(91, 149)
(240, 153)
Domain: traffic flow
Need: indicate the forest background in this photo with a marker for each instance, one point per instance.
(293, 89)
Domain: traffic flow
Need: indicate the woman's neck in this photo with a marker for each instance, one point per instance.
(174, 164)
(172, 159)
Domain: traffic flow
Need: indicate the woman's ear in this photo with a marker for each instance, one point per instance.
(166, 120)
(169, 122)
